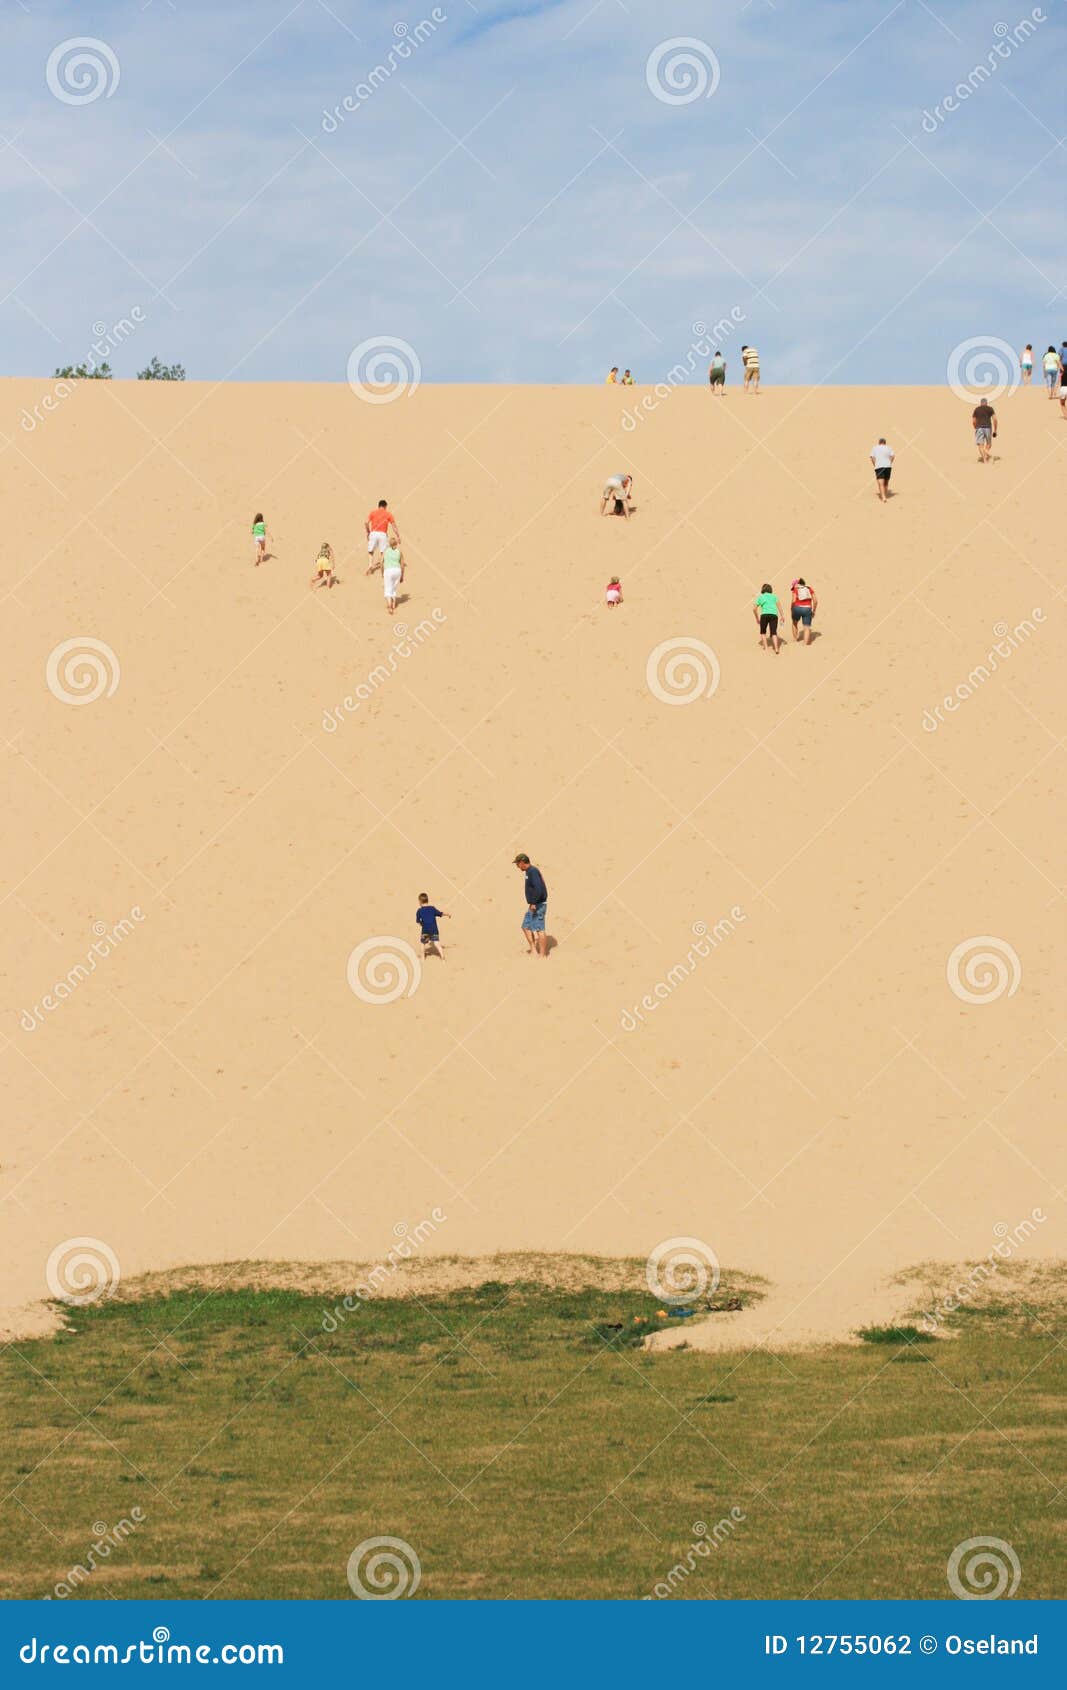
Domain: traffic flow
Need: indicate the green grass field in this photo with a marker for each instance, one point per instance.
(524, 1445)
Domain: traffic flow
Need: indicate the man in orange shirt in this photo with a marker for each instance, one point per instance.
(378, 525)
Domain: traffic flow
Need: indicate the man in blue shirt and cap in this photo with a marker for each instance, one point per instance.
(533, 922)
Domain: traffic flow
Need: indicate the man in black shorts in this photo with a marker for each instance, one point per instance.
(882, 458)
(985, 429)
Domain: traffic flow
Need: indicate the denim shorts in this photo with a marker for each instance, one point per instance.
(534, 920)
(802, 613)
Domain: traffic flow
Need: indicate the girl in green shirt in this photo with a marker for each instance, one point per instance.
(767, 610)
(259, 537)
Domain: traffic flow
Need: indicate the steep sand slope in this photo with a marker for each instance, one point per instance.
(809, 1098)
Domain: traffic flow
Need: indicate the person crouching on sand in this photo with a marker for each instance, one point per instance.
(617, 493)
(324, 575)
(613, 592)
(767, 611)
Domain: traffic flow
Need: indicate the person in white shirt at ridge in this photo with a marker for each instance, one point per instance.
(882, 458)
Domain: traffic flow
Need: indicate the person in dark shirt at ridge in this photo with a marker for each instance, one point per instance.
(985, 429)
(533, 922)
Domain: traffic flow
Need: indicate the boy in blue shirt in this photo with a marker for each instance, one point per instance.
(426, 915)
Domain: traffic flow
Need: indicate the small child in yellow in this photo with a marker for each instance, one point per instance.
(324, 575)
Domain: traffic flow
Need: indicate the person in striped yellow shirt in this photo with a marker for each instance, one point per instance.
(750, 360)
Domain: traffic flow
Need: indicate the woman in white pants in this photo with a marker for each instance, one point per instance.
(392, 573)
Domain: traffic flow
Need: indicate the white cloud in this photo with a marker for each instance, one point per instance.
(545, 239)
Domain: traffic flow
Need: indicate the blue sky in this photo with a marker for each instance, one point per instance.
(516, 202)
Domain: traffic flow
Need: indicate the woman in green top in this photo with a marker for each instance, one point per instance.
(1051, 366)
(259, 537)
(392, 574)
(767, 610)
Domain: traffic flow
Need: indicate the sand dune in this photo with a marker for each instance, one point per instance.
(809, 1097)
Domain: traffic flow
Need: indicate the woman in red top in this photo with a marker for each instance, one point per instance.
(805, 604)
